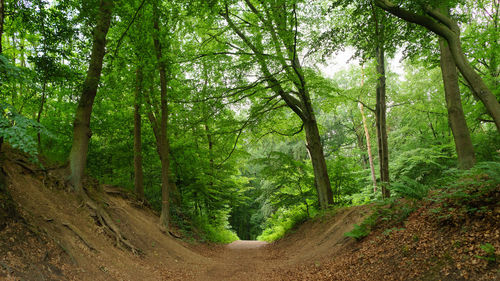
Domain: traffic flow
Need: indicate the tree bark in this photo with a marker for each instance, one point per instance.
(380, 114)
(381, 106)
(368, 147)
(315, 149)
(138, 174)
(162, 142)
(2, 13)
(2, 19)
(39, 115)
(81, 124)
(456, 118)
(442, 25)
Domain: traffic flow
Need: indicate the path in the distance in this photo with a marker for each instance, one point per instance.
(242, 260)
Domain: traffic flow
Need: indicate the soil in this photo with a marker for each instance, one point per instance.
(56, 237)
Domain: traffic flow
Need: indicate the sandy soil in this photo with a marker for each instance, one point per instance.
(55, 237)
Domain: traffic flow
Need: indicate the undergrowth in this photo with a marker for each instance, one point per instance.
(466, 193)
(282, 222)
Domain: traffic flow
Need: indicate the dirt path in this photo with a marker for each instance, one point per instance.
(242, 260)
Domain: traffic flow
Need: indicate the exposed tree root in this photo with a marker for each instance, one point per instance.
(79, 234)
(105, 220)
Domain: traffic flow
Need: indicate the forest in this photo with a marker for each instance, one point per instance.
(244, 119)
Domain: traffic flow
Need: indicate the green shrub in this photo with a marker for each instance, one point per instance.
(19, 131)
(410, 188)
(386, 214)
(282, 222)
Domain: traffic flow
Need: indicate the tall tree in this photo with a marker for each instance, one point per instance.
(138, 173)
(461, 135)
(81, 124)
(160, 129)
(443, 25)
(2, 19)
(279, 21)
(381, 105)
(368, 147)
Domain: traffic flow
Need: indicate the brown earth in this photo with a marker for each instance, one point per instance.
(55, 237)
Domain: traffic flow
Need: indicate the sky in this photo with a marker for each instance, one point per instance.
(342, 61)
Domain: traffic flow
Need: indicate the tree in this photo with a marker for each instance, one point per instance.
(458, 124)
(81, 124)
(160, 128)
(442, 25)
(138, 173)
(279, 22)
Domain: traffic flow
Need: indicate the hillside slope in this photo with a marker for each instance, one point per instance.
(46, 233)
(56, 237)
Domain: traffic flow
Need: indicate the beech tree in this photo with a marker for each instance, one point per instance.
(81, 124)
(432, 18)
(277, 23)
(456, 117)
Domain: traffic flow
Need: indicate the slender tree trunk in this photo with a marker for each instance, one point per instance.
(456, 118)
(40, 110)
(138, 174)
(2, 13)
(2, 19)
(368, 148)
(381, 107)
(81, 125)
(210, 155)
(163, 142)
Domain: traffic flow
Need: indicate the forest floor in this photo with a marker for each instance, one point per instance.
(53, 236)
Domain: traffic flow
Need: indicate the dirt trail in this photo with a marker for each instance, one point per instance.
(59, 239)
(241, 260)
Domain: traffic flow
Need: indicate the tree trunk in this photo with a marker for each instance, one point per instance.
(315, 149)
(138, 174)
(461, 135)
(39, 115)
(444, 26)
(163, 142)
(479, 88)
(381, 108)
(368, 147)
(81, 124)
(2, 19)
(301, 105)
(2, 13)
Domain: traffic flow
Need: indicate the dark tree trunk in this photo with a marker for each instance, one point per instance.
(162, 142)
(381, 106)
(2, 13)
(138, 174)
(81, 124)
(380, 109)
(39, 115)
(456, 118)
(2, 19)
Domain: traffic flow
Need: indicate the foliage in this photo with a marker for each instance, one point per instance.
(238, 158)
(386, 214)
(18, 130)
(409, 188)
(282, 222)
